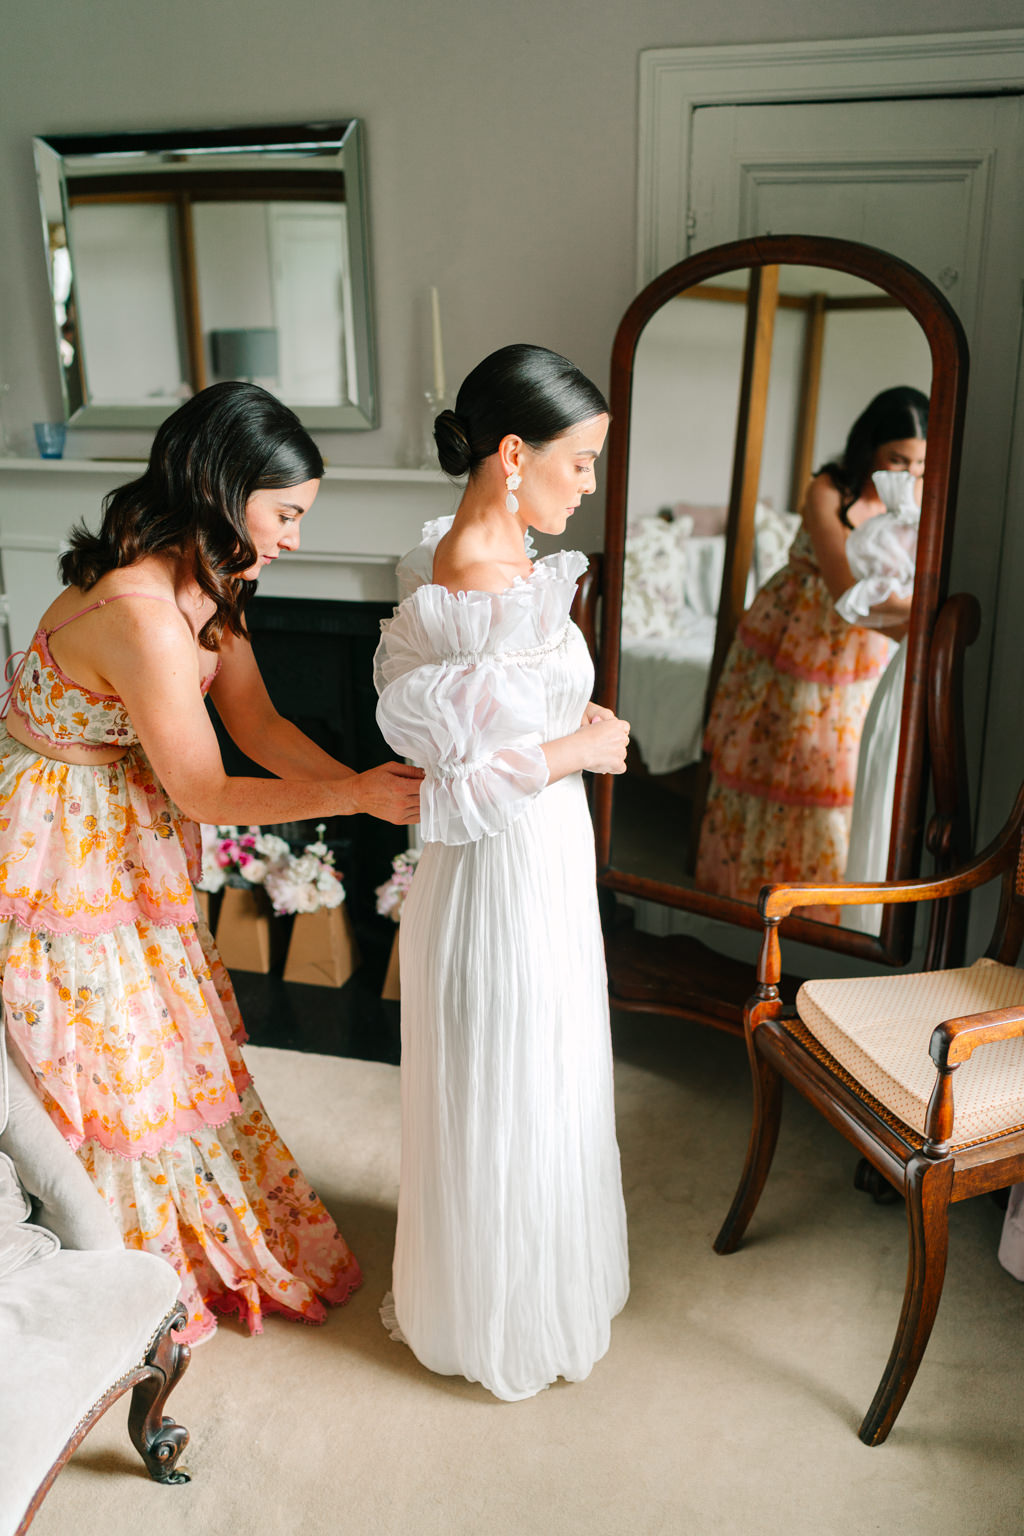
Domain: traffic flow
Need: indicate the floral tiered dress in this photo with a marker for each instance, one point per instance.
(510, 1260)
(783, 737)
(124, 1019)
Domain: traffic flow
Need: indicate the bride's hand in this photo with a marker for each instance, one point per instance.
(596, 712)
(606, 739)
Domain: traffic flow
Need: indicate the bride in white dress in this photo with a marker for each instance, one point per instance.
(510, 1257)
(882, 555)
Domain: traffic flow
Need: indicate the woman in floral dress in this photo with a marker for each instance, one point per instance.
(785, 727)
(118, 1008)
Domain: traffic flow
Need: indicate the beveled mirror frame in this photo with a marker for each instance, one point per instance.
(339, 150)
(949, 360)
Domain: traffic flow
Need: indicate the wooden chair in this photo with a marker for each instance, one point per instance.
(872, 1079)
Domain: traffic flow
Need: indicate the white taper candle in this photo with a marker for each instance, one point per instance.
(435, 313)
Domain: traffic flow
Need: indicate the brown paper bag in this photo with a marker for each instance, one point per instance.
(323, 951)
(392, 988)
(248, 936)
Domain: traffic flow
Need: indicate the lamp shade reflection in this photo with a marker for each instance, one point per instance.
(245, 354)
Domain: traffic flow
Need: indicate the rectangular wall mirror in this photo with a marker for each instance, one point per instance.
(179, 259)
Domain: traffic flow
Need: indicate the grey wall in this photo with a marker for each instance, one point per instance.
(501, 145)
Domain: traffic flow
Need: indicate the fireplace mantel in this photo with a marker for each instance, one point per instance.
(363, 520)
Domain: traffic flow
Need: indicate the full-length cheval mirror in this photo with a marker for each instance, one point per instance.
(737, 375)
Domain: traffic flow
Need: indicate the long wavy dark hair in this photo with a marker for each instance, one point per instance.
(893, 415)
(207, 459)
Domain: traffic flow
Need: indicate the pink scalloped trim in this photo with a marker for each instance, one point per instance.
(183, 1123)
(231, 1304)
(125, 914)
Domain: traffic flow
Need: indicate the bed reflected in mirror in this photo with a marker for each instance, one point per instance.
(743, 387)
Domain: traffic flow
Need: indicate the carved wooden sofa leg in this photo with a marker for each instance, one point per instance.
(159, 1440)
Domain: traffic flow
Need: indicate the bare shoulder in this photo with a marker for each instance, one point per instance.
(482, 576)
(462, 565)
(822, 501)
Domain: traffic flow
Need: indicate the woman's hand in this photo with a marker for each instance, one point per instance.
(599, 746)
(605, 739)
(390, 792)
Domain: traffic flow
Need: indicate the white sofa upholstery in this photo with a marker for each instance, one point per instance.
(78, 1313)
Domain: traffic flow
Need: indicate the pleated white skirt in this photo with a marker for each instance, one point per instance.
(510, 1259)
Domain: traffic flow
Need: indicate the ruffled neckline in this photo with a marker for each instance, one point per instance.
(415, 570)
(433, 623)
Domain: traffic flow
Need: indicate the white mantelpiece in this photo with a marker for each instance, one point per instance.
(363, 521)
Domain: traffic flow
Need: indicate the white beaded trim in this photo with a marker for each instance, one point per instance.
(531, 655)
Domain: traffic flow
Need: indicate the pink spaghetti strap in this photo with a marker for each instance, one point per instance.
(101, 604)
(13, 667)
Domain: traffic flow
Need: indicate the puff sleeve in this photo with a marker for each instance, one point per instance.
(882, 552)
(474, 724)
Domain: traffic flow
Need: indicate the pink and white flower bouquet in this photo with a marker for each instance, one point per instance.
(302, 882)
(306, 881)
(391, 895)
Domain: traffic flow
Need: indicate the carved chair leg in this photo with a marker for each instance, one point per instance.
(158, 1440)
(928, 1189)
(764, 1133)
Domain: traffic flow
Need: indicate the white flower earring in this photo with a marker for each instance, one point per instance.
(512, 484)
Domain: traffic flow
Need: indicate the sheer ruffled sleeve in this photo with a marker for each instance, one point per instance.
(461, 695)
(477, 732)
(882, 552)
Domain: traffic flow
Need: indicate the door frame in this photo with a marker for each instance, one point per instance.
(674, 82)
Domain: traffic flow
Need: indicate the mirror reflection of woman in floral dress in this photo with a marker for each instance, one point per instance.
(118, 1008)
(785, 727)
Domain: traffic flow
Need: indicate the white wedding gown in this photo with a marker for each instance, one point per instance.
(510, 1257)
(882, 554)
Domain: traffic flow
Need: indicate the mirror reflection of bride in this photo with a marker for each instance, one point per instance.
(785, 727)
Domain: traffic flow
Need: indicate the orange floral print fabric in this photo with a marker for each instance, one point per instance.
(124, 1017)
(783, 736)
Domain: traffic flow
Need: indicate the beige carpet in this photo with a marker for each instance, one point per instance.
(727, 1404)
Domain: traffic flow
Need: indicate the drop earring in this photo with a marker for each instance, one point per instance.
(512, 484)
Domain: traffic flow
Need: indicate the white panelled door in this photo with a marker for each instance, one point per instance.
(936, 182)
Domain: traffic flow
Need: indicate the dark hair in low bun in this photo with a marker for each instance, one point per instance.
(207, 459)
(453, 448)
(528, 391)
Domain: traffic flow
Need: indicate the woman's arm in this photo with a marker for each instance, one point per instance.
(151, 661)
(255, 726)
(599, 746)
(820, 514)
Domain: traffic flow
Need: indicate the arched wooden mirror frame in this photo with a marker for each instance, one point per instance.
(948, 348)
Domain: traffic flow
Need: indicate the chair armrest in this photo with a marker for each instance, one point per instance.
(777, 901)
(954, 1040)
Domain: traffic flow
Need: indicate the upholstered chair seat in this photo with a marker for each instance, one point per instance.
(922, 1073)
(877, 1029)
